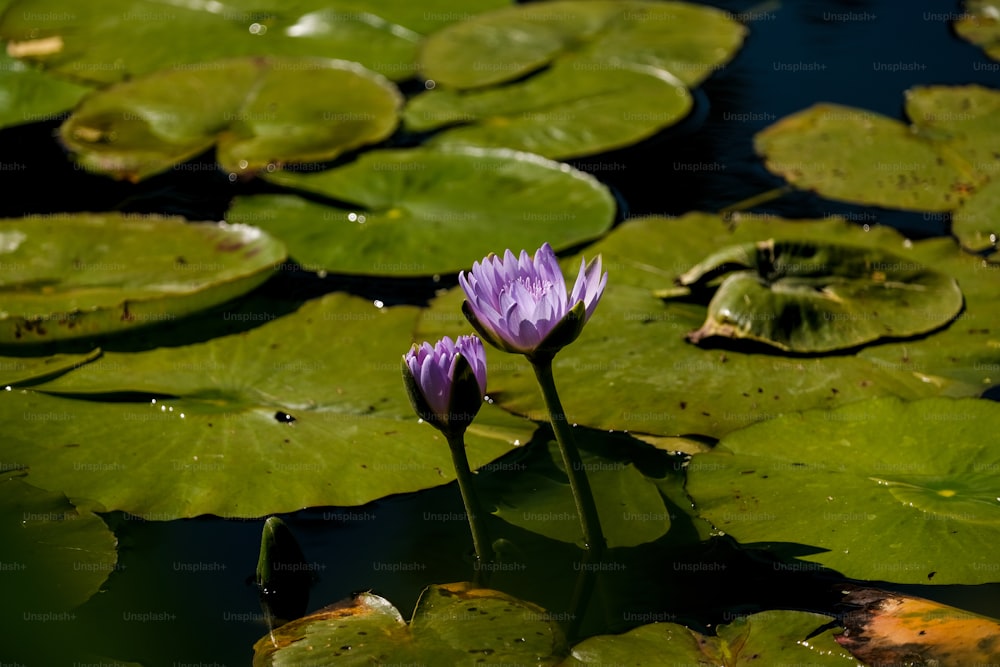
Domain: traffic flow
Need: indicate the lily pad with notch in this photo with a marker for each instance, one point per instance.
(806, 296)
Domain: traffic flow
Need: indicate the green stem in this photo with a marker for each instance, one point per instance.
(480, 538)
(590, 523)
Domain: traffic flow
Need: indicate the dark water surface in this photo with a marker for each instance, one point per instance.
(192, 575)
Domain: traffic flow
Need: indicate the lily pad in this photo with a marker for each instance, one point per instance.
(819, 297)
(306, 410)
(570, 110)
(423, 212)
(260, 111)
(686, 40)
(73, 275)
(106, 41)
(23, 370)
(871, 492)
(980, 25)
(892, 628)
(630, 506)
(976, 225)
(54, 555)
(452, 624)
(768, 638)
(603, 75)
(28, 95)
(865, 158)
(635, 343)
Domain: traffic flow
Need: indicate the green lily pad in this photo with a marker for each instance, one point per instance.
(879, 490)
(54, 555)
(686, 40)
(73, 275)
(629, 504)
(975, 223)
(819, 297)
(28, 95)
(861, 157)
(423, 212)
(604, 75)
(106, 41)
(768, 638)
(635, 343)
(452, 624)
(980, 25)
(22, 370)
(306, 410)
(567, 111)
(261, 111)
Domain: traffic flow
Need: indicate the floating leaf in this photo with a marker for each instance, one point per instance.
(980, 25)
(635, 344)
(422, 212)
(818, 297)
(900, 629)
(53, 555)
(21, 370)
(879, 490)
(452, 624)
(32, 96)
(975, 223)
(259, 111)
(73, 275)
(271, 420)
(861, 157)
(631, 508)
(567, 111)
(105, 41)
(603, 74)
(767, 638)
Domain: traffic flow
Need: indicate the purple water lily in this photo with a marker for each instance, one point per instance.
(446, 382)
(520, 304)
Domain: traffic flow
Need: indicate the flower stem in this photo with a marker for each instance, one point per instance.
(480, 538)
(590, 523)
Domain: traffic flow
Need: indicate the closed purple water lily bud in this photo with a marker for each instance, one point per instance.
(446, 382)
(520, 304)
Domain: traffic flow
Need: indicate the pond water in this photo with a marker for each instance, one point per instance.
(183, 592)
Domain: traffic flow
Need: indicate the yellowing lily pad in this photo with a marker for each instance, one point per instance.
(877, 490)
(74, 275)
(306, 410)
(818, 297)
(452, 624)
(980, 25)
(768, 638)
(256, 111)
(422, 211)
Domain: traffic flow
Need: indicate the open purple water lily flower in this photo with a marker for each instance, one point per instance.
(520, 304)
(447, 381)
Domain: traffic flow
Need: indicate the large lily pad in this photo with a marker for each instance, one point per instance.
(421, 211)
(28, 95)
(768, 638)
(20, 370)
(306, 410)
(452, 624)
(259, 111)
(106, 41)
(980, 25)
(976, 224)
(689, 41)
(819, 297)
(634, 346)
(862, 157)
(53, 555)
(878, 490)
(603, 74)
(66, 276)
